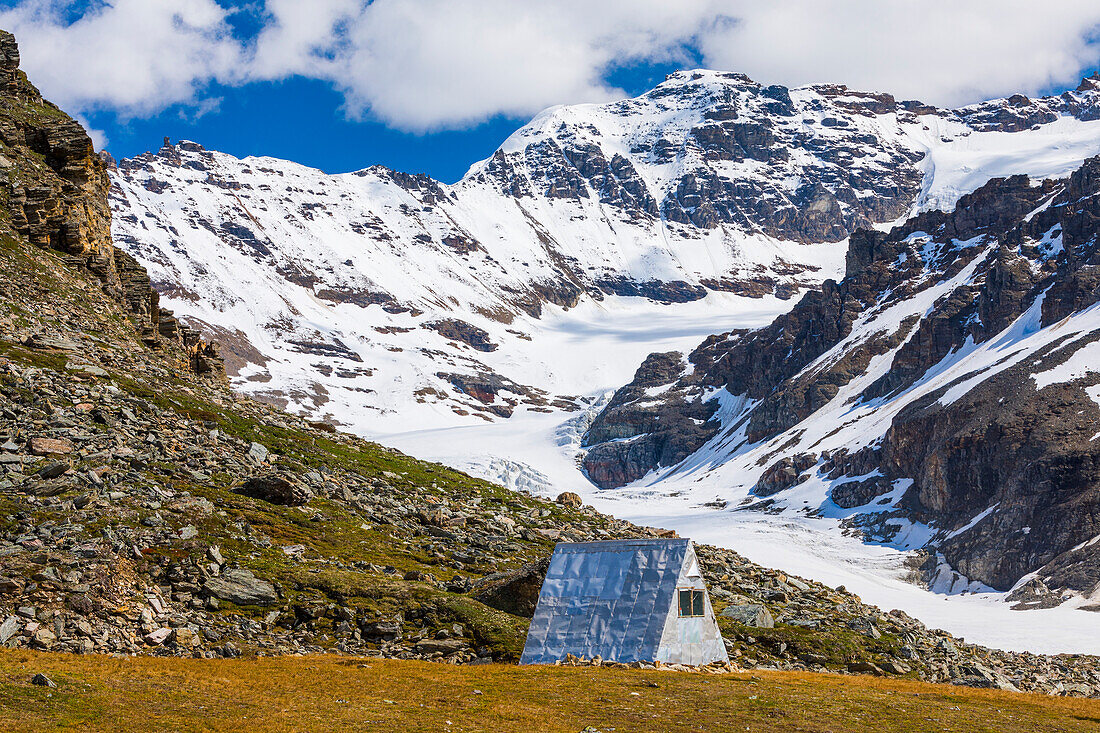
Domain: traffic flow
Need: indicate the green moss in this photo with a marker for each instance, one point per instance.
(832, 647)
(503, 633)
(30, 357)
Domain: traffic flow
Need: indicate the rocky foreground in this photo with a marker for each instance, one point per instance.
(145, 509)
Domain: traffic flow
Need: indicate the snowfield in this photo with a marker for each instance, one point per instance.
(537, 454)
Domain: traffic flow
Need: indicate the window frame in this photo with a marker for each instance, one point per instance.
(694, 593)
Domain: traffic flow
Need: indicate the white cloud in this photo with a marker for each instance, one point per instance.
(134, 56)
(944, 52)
(424, 64)
(99, 137)
(301, 37)
(429, 64)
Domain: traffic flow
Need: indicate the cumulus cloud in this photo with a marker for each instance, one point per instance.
(424, 64)
(944, 52)
(99, 137)
(134, 56)
(301, 38)
(430, 64)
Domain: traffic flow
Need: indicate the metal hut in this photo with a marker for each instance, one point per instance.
(625, 601)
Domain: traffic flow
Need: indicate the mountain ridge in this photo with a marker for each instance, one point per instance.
(949, 339)
(709, 188)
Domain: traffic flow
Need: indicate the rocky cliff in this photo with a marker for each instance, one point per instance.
(950, 380)
(54, 188)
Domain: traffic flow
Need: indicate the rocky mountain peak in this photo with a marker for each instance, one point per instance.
(9, 55)
(1090, 83)
(711, 149)
(710, 184)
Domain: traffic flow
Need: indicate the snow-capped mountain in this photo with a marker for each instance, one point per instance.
(388, 302)
(944, 395)
(486, 323)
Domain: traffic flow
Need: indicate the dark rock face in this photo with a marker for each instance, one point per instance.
(467, 333)
(515, 592)
(1029, 453)
(636, 433)
(1024, 451)
(851, 494)
(783, 474)
(276, 490)
(676, 291)
(501, 394)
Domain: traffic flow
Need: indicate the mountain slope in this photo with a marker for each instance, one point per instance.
(390, 302)
(943, 395)
(145, 508)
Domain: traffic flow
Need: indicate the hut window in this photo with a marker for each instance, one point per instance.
(691, 602)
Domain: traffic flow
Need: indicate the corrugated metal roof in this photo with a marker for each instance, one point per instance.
(605, 598)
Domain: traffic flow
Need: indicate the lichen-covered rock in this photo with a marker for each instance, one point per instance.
(240, 586)
(569, 499)
(750, 615)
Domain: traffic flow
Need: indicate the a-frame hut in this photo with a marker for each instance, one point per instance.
(625, 601)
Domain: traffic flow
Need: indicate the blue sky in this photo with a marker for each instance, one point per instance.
(434, 85)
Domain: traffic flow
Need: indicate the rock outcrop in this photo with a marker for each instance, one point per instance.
(55, 189)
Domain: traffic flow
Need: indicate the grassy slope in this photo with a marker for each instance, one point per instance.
(332, 693)
(343, 538)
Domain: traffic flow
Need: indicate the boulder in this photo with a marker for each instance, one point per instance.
(750, 615)
(240, 586)
(275, 489)
(53, 469)
(8, 629)
(158, 636)
(865, 667)
(444, 646)
(183, 637)
(388, 630)
(515, 591)
(866, 627)
(570, 499)
(42, 341)
(41, 446)
(44, 638)
(257, 453)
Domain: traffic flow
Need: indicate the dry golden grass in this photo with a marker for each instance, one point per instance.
(339, 694)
